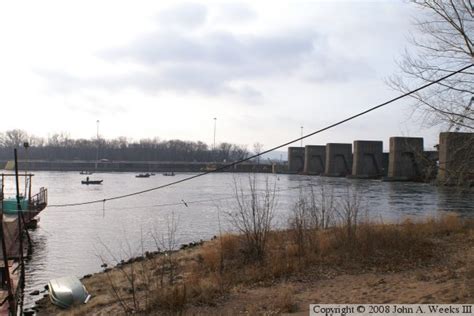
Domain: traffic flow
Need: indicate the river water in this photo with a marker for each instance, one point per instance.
(76, 240)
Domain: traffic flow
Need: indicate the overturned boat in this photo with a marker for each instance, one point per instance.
(67, 291)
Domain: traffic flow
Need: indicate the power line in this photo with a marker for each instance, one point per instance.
(189, 202)
(269, 150)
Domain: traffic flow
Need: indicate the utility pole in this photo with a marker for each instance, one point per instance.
(19, 218)
(301, 136)
(215, 123)
(97, 153)
(26, 145)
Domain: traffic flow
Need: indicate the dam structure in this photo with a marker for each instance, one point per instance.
(368, 159)
(452, 163)
(456, 158)
(296, 157)
(314, 159)
(338, 160)
(405, 159)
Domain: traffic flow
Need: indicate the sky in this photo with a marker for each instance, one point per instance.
(166, 69)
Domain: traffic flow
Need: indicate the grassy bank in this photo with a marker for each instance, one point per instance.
(409, 262)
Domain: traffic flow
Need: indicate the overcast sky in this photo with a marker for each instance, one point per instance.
(166, 68)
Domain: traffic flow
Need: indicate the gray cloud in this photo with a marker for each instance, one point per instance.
(223, 49)
(330, 69)
(235, 12)
(211, 62)
(189, 15)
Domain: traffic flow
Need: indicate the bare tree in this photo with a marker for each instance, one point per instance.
(313, 211)
(253, 215)
(443, 44)
(14, 138)
(168, 245)
(348, 211)
(257, 148)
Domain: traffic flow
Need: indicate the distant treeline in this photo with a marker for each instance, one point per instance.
(62, 147)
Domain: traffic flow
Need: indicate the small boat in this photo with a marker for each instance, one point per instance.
(169, 174)
(142, 175)
(85, 172)
(67, 291)
(87, 181)
(210, 167)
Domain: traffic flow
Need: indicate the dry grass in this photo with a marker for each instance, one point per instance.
(206, 275)
(284, 301)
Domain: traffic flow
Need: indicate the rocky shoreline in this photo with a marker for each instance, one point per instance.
(440, 270)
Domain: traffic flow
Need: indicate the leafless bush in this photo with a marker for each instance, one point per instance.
(313, 211)
(300, 224)
(322, 207)
(348, 211)
(253, 215)
(166, 243)
(128, 273)
(135, 283)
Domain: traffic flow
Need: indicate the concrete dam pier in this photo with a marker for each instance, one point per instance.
(456, 157)
(405, 161)
(296, 157)
(405, 158)
(314, 160)
(338, 160)
(368, 159)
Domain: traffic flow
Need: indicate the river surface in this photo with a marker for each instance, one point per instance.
(76, 240)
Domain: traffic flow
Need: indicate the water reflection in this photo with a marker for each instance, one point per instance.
(69, 241)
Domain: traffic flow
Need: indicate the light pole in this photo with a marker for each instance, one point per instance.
(26, 145)
(215, 123)
(97, 153)
(301, 136)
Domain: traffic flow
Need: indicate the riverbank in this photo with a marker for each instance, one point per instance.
(138, 166)
(425, 262)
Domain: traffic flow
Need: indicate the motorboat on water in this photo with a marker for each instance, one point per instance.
(92, 182)
(142, 175)
(88, 181)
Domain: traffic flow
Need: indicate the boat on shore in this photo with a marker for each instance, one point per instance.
(67, 291)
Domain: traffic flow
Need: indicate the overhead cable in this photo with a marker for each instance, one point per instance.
(227, 166)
